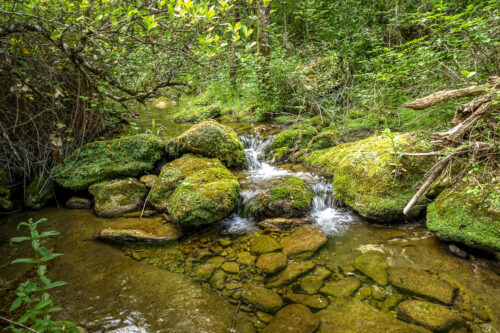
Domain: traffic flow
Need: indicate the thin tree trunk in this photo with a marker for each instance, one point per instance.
(264, 21)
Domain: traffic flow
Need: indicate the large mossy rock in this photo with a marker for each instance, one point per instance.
(469, 215)
(195, 191)
(292, 139)
(211, 139)
(291, 197)
(117, 197)
(364, 177)
(106, 160)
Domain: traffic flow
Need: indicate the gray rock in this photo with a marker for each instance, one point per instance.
(78, 203)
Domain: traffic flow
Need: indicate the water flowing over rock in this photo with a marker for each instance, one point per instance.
(195, 191)
(295, 318)
(264, 244)
(106, 160)
(343, 288)
(117, 197)
(139, 230)
(373, 265)
(433, 316)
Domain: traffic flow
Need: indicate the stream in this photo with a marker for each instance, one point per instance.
(155, 287)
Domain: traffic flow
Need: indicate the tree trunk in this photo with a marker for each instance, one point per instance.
(264, 21)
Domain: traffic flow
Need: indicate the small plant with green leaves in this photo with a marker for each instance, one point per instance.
(34, 294)
(395, 151)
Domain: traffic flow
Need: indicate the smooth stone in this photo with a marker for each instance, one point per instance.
(280, 223)
(312, 283)
(264, 244)
(140, 213)
(205, 271)
(218, 280)
(261, 298)
(231, 267)
(264, 317)
(303, 242)
(149, 180)
(270, 263)
(245, 258)
(433, 316)
(342, 288)
(421, 283)
(225, 242)
(350, 315)
(391, 301)
(315, 302)
(139, 230)
(365, 292)
(294, 318)
(290, 273)
(373, 265)
(78, 203)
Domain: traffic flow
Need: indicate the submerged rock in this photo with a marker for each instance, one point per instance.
(106, 160)
(303, 242)
(204, 271)
(342, 288)
(211, 139)
(280, 223)
(291, 197)
(364, 175)
(315, 302)
(312, 283)
(195, 191)
(139, 230)
(421, 283)
(117, 197)
(218, 280)
(78, 203)
(39, 191)
(433, 316)
(262, 298)
(373, 265)
(350, 315)
(264, 244)
(467, 215)
(270, 263)
(290, 273)
(295, 318)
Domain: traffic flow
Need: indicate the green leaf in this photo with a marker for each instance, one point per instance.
(17, 303)
(19, 239)
(24, 260)
(49, 233)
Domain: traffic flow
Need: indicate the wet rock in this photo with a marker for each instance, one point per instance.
(455, 250)
(142, 213)
(291, 197)
(106, 160)
(264, 244)
(350, 315)
(280, 224)
(433, 316)
(218, 280)
(290, 273)
(117, 197)
(472, 219)
(365, 292)
(270, 263)
(373, 265)
(364, 178)
(303, 242)
(149, 180)
(315, 302)
(245, 258)
(262, 298)
(78, 203)
(264, 317)
(139, 230)
(39, 191)
(212, 139)
(312, 283)
(421, 283)
(296, 318)
(205, 271)
(391, 301)
(195, 191)
(225, 242)
(342, 288)
(231, 267)
(293, 138)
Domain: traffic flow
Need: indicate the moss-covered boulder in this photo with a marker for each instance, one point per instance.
(39, 191)
(197, 113)
(291, 197)
(117, 197)
(195, 191)
(106, 160)
(294, 138)
(211, 139)
(322, 141)
(469, 215)
(365, 175)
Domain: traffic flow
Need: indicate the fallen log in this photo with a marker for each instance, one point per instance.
(444, 96)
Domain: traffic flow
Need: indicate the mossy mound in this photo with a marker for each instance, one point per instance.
(364, 174)
(212, 139)
(291, 197)
(196, 114)
(195, 190)
(322, 141)
(117, 197)
(5, 202)
(39, 191)
(106, 160)
(294, 138)
(468, 215)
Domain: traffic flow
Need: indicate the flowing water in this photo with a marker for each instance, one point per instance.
(153, 288)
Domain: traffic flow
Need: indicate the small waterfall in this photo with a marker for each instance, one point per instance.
(254, 147)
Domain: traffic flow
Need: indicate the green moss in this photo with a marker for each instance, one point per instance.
(195, 191)
(467, 215)
(117, 197)
(323, 140)
(212, 139)
(291, 197)
(105, 160)
(364, 174)
(295, 137)
(39, 191)
(4, 178)
(196, 113)
(5, 203)
(280, 154)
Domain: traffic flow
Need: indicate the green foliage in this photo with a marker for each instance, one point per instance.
(395, 151)
(34, 294)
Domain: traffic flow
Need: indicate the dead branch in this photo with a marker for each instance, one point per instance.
(444, 96)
